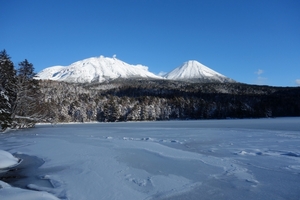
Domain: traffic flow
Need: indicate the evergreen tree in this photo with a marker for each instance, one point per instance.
(27, 108)
(7, 89)
(5, 119)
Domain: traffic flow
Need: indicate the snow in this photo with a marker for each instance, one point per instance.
(12, 193)
(194, 70)
(3, 95)
(209, 159)
(7, 160)
(97, 69)
(101, 69)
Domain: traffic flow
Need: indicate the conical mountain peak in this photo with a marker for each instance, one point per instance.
(193, 69)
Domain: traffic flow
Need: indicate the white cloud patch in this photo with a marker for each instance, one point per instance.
(259, 72)
(162, 73)
(298, 82)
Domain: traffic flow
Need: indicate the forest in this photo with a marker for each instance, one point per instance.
(138, 100)
(26, 101)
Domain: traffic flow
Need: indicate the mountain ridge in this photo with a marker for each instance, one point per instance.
(101, 69)
(95, 69)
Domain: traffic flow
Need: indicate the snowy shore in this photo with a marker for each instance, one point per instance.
(7, 192)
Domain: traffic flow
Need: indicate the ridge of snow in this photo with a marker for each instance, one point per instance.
(193, 69)
(7, 160)
(97, 69)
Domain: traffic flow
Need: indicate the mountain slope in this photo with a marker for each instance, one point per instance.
(95, 69)
(193, 70)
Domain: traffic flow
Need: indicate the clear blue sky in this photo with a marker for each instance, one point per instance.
(254, 42)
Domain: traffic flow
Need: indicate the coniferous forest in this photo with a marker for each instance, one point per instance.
(21, 105)
(25, 101)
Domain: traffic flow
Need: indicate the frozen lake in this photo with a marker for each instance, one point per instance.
(210, 159)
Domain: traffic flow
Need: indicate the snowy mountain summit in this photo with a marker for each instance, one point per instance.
(101, 69)
(96, 69)
(193, 70)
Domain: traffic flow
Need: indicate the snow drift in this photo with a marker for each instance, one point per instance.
(7, 160)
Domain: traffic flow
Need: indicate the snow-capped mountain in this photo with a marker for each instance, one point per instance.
(100, 69)
(96, 69)
(193, 70)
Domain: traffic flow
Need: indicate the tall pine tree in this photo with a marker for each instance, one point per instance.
(27, 108)
(7, 89)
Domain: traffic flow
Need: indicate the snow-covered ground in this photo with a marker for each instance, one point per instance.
(211, 159)
(7, 160)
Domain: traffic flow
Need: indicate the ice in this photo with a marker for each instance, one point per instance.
(209, 159)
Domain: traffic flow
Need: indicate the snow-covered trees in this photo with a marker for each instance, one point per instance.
(25, 101)
(20, 104)
(7, 86)
(137, 100)
(27, 108)
(5, 119)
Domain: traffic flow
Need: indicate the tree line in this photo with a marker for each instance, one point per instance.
(26, 101)
(138, 100)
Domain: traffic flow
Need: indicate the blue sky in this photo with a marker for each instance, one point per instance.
(254, 42)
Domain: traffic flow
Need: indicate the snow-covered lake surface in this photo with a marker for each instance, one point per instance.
(211, 159)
